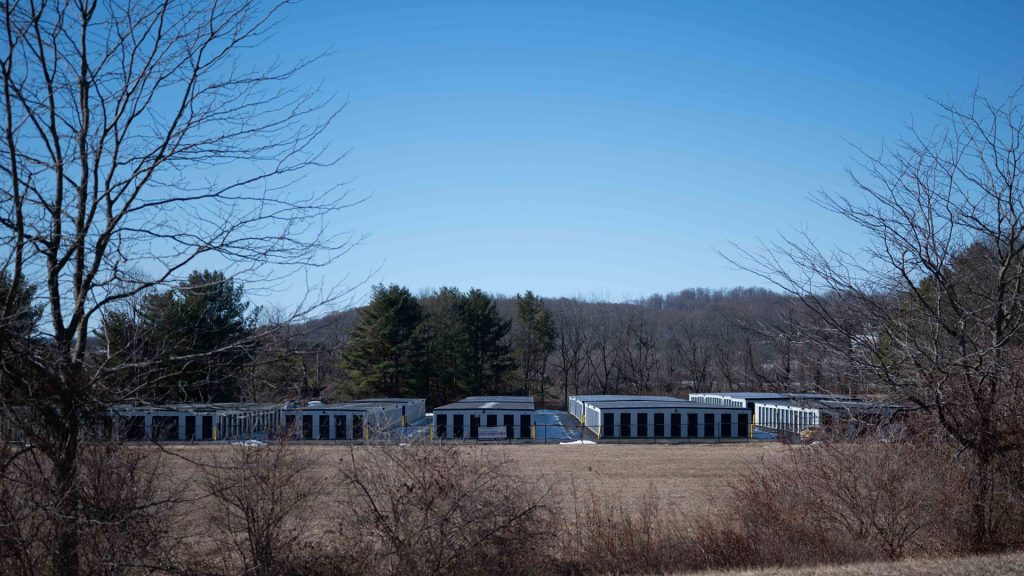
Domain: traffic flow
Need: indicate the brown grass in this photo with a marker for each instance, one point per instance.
(691, 476)
(995, 565)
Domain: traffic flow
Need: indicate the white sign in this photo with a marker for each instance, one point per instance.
(491, 433)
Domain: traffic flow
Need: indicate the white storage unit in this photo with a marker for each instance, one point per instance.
(799, 411)
(190, 422)
(462, 420)
(408, 410)
(577, 404)
(314, 421)
(658, 419)
(848, 415)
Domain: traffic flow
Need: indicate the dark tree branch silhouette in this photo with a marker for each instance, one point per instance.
(136, 144)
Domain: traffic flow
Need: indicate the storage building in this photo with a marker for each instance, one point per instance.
(652, 418)
(843, 414)
(501, 417)
(354, 420)
(413, 409)
(799, 411)
(577, 404)
(190, 422)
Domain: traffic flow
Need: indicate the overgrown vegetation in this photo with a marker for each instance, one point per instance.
(462, 510)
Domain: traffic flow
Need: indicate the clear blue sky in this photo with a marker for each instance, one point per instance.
(608, 148)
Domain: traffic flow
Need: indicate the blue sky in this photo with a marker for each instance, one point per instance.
(608, 148)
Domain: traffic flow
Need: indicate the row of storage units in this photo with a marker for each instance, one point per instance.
(659, 417)
(354, 420)
(797, 412)
(485, 418)
(188, 422)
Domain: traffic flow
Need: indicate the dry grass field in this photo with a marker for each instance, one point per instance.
(690, 477)
(996, 565)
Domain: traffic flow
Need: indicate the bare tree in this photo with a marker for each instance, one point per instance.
(572, 345)
(605, 358)
(445, 509)
(135, 143)
(258, 505)
(133, 516)
(640, 353)
(933, 306)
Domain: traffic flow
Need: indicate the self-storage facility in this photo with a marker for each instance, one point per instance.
(653, 418)
(578, 404)
(355, 420)
(843, 415)
(798, 411)
(412, 409)
(485, 418)
(190, 422)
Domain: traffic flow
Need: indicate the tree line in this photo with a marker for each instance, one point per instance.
(203, 341)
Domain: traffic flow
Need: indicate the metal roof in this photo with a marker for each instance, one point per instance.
(505, 399)
(344, 406)
(489, 405)
(778, 395)
(196, 407)
(654, 403)
(385, 400)
(622, 397)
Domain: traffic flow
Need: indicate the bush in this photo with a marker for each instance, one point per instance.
(131, 513)
(444, 509)
(258, 504)
(841, 502)
(608, 535)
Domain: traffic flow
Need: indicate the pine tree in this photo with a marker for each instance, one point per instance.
(488, 355)
(386, 355)
(535, 340)
(446, 342)
(189, 343)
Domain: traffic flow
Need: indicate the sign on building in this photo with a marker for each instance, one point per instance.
(492, 433)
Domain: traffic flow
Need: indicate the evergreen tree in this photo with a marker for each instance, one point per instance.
(386, 354)
(446, 342)
(535, 340)
(19, 319)
(19, 314)
(189, 343)
(488, 355)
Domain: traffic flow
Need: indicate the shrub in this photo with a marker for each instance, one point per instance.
(444, 509)
(259, 499)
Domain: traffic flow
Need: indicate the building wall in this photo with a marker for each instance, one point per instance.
(651, 429)
(358, 423)
(450, 433)
(719, 399)
(787, 417)
(188, 425)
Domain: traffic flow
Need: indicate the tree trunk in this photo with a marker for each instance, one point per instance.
(67, 512)
(981, 509)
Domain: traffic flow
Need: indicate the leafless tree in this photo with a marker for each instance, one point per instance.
(571, 346)
(840, 502)
(133, 517)
(640, 353)
(259, 503)
(605, 358)
(691, 347)
(445, 509)
(137, 142)
(933, 306)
